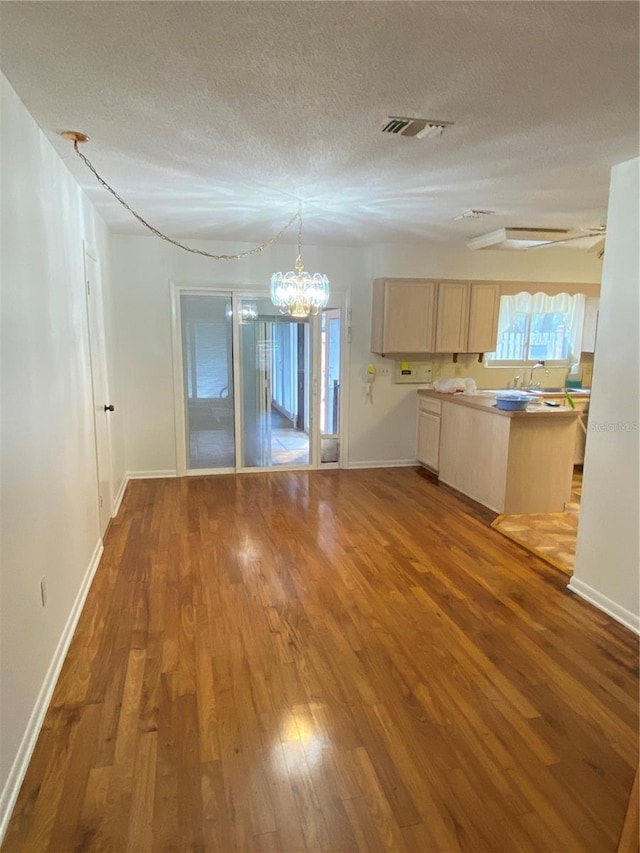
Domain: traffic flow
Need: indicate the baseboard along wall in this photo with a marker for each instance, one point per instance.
(18, 770)
(611, 608)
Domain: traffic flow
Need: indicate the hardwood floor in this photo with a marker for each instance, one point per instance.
(334, 660)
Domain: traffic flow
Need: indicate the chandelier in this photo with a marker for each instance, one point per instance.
(299, 293)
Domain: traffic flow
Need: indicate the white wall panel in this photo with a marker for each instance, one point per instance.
(606, 567)
(49, 511)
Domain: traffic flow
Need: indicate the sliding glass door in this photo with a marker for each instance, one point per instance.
(259, 389)
(275, 359)
(207, 361)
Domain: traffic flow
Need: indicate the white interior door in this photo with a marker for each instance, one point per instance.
(102, 406)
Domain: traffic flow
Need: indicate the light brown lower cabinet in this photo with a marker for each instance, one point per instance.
(513, 465)
(428, 443)
(582, 406)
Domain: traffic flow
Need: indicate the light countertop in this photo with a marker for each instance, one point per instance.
(486, 401)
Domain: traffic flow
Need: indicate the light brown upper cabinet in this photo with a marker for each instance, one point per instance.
(484, 308)
(467, 318)
(425, 316)
(403, 316)
(452, 318)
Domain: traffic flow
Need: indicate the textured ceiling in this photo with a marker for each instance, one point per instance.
(214, 118)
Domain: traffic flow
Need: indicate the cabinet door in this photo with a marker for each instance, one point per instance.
(452, 317)
(428, 440)
(483, 318)
(409, 311)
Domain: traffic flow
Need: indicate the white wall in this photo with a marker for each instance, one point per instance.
(49, 515)
(606, 567)
(433, 261)
(382, 432)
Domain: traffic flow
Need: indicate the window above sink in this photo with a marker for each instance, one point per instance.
(538, 327)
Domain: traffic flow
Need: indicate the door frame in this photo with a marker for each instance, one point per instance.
(339, 299)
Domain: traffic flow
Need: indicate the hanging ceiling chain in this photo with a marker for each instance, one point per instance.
(299, 265)
(168, 239)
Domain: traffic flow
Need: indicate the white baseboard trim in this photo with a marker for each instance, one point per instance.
(616, 611)
(120, 495)
(386, 463)
(151, 475)
(16, 776)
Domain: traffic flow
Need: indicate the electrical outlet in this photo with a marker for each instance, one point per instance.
(43, 591)
(383, 370)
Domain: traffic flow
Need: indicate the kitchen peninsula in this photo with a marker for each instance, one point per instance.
(512, 462)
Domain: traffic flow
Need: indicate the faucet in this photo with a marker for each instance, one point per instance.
(530, 384)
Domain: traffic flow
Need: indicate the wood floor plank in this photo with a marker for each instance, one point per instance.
(631, 827)
(331, 660)
(140, 829)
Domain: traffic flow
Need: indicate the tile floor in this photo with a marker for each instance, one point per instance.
(216, 448)
(552, 535)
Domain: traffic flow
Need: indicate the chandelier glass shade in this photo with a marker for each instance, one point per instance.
(299, 293)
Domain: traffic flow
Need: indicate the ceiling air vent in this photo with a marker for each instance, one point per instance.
(421, 128)
(517, 238)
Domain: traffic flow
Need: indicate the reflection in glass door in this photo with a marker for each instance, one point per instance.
(207, 359)
(275, 359)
